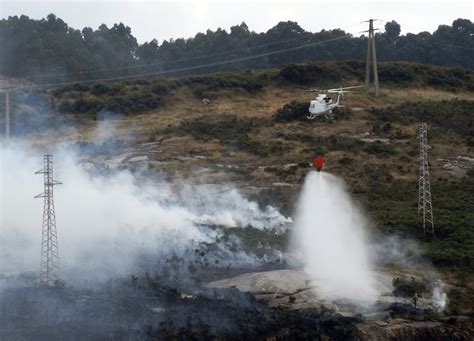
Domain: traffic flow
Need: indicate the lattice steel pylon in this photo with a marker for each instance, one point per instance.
(425, 208)
(49, 273)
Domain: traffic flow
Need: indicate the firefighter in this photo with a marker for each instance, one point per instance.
(415, 300)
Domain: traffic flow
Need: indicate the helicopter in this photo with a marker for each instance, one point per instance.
(323, 104)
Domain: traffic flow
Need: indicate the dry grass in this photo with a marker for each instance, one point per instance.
(184, 106)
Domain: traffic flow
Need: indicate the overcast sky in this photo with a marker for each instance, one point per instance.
(184, 18)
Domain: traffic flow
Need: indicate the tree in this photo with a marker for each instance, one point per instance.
(392, 30)
(49, 46)
(148, 52)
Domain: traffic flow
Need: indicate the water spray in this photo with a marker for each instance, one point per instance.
(329, 233)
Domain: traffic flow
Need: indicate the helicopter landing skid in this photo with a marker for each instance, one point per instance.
(312, 117)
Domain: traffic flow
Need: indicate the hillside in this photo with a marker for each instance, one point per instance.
(253, 133)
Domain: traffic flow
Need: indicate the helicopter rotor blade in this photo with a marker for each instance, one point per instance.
(334, 91)
(345, 88)
(307, 89)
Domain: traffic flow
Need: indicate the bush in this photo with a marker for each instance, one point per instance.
(218, 81)
(294, 111)
(311, 73)
(346, 160)
(163, 88)
(452, 114)
(379, 148)
(342, 113)
(404, 287)
(83, 105)
(125, 98)
(395, 73)
(103, 89)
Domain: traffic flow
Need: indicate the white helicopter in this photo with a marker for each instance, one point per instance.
(323, 104)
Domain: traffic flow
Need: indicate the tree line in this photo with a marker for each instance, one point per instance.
(48, 50)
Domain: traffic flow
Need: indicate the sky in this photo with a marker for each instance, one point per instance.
(152, 19)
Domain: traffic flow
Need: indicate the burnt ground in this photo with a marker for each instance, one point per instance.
(145, 308)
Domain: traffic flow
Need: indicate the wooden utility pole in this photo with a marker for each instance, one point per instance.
(371, 59)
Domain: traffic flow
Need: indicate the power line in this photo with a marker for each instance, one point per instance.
(177, 60)
(163, 62)
(450, 45)
(177, 70)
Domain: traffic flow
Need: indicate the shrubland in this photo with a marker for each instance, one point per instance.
(275, 144)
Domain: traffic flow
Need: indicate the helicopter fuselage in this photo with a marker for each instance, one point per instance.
(322, 105)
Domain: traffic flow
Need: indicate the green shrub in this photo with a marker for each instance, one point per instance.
(124, 98)
(292, 112)
(218, 81)
(346, 160)
(404, 287)
(333, 74)
(100, 89)
(396, 73)
(312, 73)
(379, 148)
(341, 113)
(83, 105)
(163, 88)
(447, 114)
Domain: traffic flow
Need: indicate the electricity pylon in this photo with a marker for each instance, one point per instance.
(425, 208)
(371, 59)
(49, 239)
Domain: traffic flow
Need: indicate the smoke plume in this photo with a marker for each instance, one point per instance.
(108, 223)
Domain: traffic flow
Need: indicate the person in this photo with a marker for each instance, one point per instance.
(415, 300)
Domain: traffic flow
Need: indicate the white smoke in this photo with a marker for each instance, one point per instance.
(390, 250)
(225, 206)
(329, 232)
(393, 251)
(105, 223)
(438, 296)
